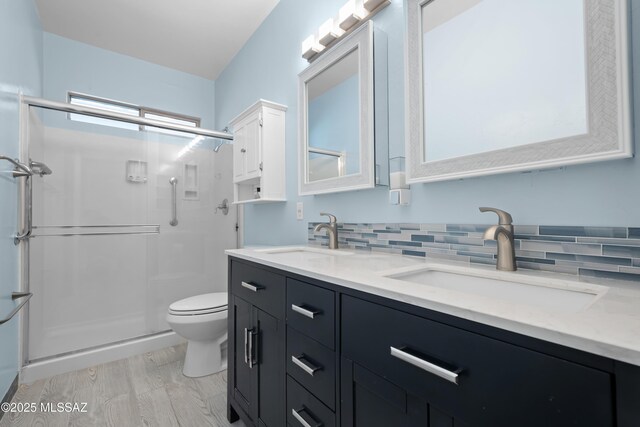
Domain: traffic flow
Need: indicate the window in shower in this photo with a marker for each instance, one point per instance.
(172, 118)
(130, 110)
(103, 104)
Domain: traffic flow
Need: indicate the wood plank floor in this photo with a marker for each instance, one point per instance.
(144, 390)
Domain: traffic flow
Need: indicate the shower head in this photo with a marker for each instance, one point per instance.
(222, 142)
(40, 168)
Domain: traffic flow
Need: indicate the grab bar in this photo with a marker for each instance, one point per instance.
(174, 195)
(26, 171)
(14, 296)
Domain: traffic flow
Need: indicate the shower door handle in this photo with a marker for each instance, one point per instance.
(28, 208)
(174, 200)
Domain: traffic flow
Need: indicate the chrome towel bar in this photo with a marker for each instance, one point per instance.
(15, 295)
(68, 230)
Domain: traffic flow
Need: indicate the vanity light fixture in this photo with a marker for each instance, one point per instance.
(371, 5)
(310, 47)
(350, 14)
(329, 31)
(353, 14)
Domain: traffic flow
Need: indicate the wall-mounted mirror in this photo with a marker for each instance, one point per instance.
(336, 126)
(498, 86)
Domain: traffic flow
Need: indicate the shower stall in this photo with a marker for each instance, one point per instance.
(123, 216)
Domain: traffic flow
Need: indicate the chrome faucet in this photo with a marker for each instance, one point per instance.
(332, 230)
(503, 234)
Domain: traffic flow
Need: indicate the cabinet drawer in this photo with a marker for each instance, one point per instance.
(303, 408)
(262, 288)
(498, 384)
(311, 310)
(312, 365)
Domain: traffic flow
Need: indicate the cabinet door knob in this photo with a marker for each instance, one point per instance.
(305, 366)
(304, 311)
(432, 368)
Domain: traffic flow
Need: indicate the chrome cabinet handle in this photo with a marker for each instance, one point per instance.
(254, 288)
(252, 360)
(305, 312)
(174, 196)
(302, 421)
(308, 368)
(424, 365)
(246, 346)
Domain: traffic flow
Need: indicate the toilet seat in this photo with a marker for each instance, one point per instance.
(200, 305)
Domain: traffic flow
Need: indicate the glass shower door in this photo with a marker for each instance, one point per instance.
(105, 262)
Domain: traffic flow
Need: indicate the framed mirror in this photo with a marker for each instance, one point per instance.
(496, 86)
(336, 124)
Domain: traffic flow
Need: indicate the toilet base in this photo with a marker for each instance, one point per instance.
(204, 358)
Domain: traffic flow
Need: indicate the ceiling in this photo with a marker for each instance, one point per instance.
(195, 36)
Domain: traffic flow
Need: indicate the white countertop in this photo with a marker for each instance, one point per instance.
(610, 326)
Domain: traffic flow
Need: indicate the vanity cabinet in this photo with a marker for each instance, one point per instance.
(256, 345)
(259, 153)
(468, 377)
(333, 356)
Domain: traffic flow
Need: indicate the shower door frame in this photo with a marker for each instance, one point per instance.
(26, 102)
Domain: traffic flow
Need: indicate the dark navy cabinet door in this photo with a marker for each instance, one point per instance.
(240, 377)
(369, 400)
(270, 369)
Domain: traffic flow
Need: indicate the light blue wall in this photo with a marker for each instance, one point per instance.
(333, 121)
(20, 72)
(73, 66)
(603, 193)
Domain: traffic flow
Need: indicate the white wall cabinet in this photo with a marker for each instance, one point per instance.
(259, 153)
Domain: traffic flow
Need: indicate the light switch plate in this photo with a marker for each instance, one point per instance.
(299, 211)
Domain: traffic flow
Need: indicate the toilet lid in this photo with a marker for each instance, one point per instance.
(201, 303)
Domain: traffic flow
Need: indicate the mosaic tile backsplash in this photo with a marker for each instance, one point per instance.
(602, 252)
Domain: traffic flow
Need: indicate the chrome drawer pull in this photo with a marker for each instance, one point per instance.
(254, 288)
(309, 369)
(424, 365)
(305, 312)
(302, 421)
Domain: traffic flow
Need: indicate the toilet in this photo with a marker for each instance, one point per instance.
(202, 320)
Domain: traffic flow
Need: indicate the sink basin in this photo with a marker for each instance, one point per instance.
(544, 292)
(304, 250)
